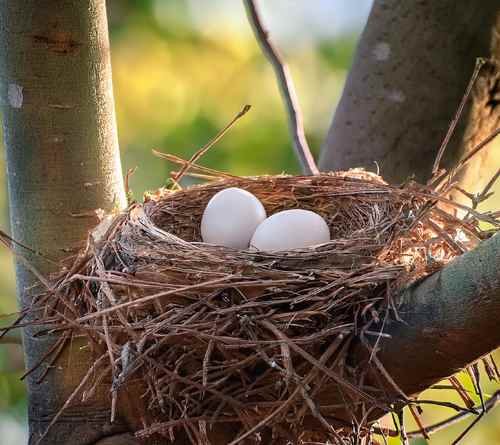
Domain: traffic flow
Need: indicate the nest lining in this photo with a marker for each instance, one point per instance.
(218, 336)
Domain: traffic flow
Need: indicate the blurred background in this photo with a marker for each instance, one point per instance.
(182, 69)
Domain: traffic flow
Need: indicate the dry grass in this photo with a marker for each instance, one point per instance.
(220, 336)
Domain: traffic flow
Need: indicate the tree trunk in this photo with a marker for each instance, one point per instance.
(63, 163)
(410, 71)
(450, 320)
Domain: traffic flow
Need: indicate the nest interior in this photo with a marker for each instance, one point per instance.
(220, 336)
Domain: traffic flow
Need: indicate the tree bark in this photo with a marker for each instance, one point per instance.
(410, 71)
(450, 320)
(63, 163)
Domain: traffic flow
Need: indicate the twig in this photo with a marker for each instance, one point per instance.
(128, 191)
(478, 198)
(469, 403)
(485, 194)
(186, 165)
(437, 182)
(193, 166)
(418, 421)
(149, 298)
(445, 404)
(477, 385)
(210, 144)
(493, 401)
(11, 244)
(336, 378)
(286, 87)
(267, 419)
(404, 435)
(479, 64)
(477, 148)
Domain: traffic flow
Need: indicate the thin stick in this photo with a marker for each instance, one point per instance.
(491, 403)
(148, 298)
(336, 378)
(286, 87)
(267, 419)
(11, 244)
(479, 64)
(437, 182)
(478, 198)
(477, 148)
(486, 191)
(210, 144)
(199, 168)
(477, 384)
(404, 436)
(418, 421)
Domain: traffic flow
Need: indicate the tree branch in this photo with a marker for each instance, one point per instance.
(410, 70)
(286, 87)
(450, 320)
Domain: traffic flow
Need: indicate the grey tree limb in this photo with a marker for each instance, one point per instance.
(450, 320)
(287, 89)
(409, 73)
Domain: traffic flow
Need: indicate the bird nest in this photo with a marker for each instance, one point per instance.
(251, 341)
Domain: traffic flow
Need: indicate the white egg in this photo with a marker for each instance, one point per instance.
(231, 217)
(290, 229)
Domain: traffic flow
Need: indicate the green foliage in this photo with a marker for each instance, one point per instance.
(338, 54)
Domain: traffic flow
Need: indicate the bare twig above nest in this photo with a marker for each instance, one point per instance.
(439, 181)
(286, 87)
(479, 64)
(209, 144)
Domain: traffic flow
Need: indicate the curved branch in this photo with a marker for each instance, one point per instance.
(450, 320)
(286, 87)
